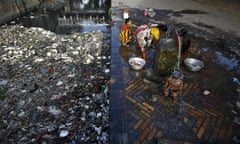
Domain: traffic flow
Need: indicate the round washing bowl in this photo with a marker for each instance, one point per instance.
(136, 63)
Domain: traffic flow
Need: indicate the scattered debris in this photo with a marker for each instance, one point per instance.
(236, 80)
(149, 12)
(53, 86)
(237, 120)
(236, 139)
(206, 92)
(238, 104)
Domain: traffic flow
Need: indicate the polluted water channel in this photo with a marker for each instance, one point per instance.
(54, 75)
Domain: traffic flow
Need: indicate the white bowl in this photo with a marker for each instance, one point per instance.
(193, 64)
(136, 63)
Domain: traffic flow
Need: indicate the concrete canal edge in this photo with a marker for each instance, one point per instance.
(11, 9)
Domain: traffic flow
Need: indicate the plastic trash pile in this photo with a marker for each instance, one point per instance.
(53, 88)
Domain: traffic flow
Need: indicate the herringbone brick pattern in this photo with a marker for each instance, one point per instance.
(203, 115)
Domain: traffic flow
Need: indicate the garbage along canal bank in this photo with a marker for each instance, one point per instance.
(208, 111)
(54, 85)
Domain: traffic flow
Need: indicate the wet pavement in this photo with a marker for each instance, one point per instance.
(140, 114)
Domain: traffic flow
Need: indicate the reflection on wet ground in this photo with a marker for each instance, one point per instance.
(204, 25)
(188, 11)
(228, 63)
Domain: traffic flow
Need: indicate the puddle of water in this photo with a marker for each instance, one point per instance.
(190, 11)
(227, 63)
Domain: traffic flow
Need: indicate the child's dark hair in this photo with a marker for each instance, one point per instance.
(127, 20)
(162, 27)
(182, 32)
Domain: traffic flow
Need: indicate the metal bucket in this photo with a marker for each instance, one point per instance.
(193, 64)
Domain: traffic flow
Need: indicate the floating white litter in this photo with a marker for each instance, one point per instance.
(39, 60)
(63, 133)
(3, 82)
(206, 92)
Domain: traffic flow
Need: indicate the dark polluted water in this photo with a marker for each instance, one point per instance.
(74, 16)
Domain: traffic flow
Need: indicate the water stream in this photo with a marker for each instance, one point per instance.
(74, 16)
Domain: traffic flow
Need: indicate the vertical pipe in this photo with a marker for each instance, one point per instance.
(179, 49)
(179, 52)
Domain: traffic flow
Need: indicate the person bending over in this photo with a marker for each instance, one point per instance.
(146, 35)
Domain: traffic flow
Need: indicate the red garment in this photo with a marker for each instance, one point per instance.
(125, 27)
